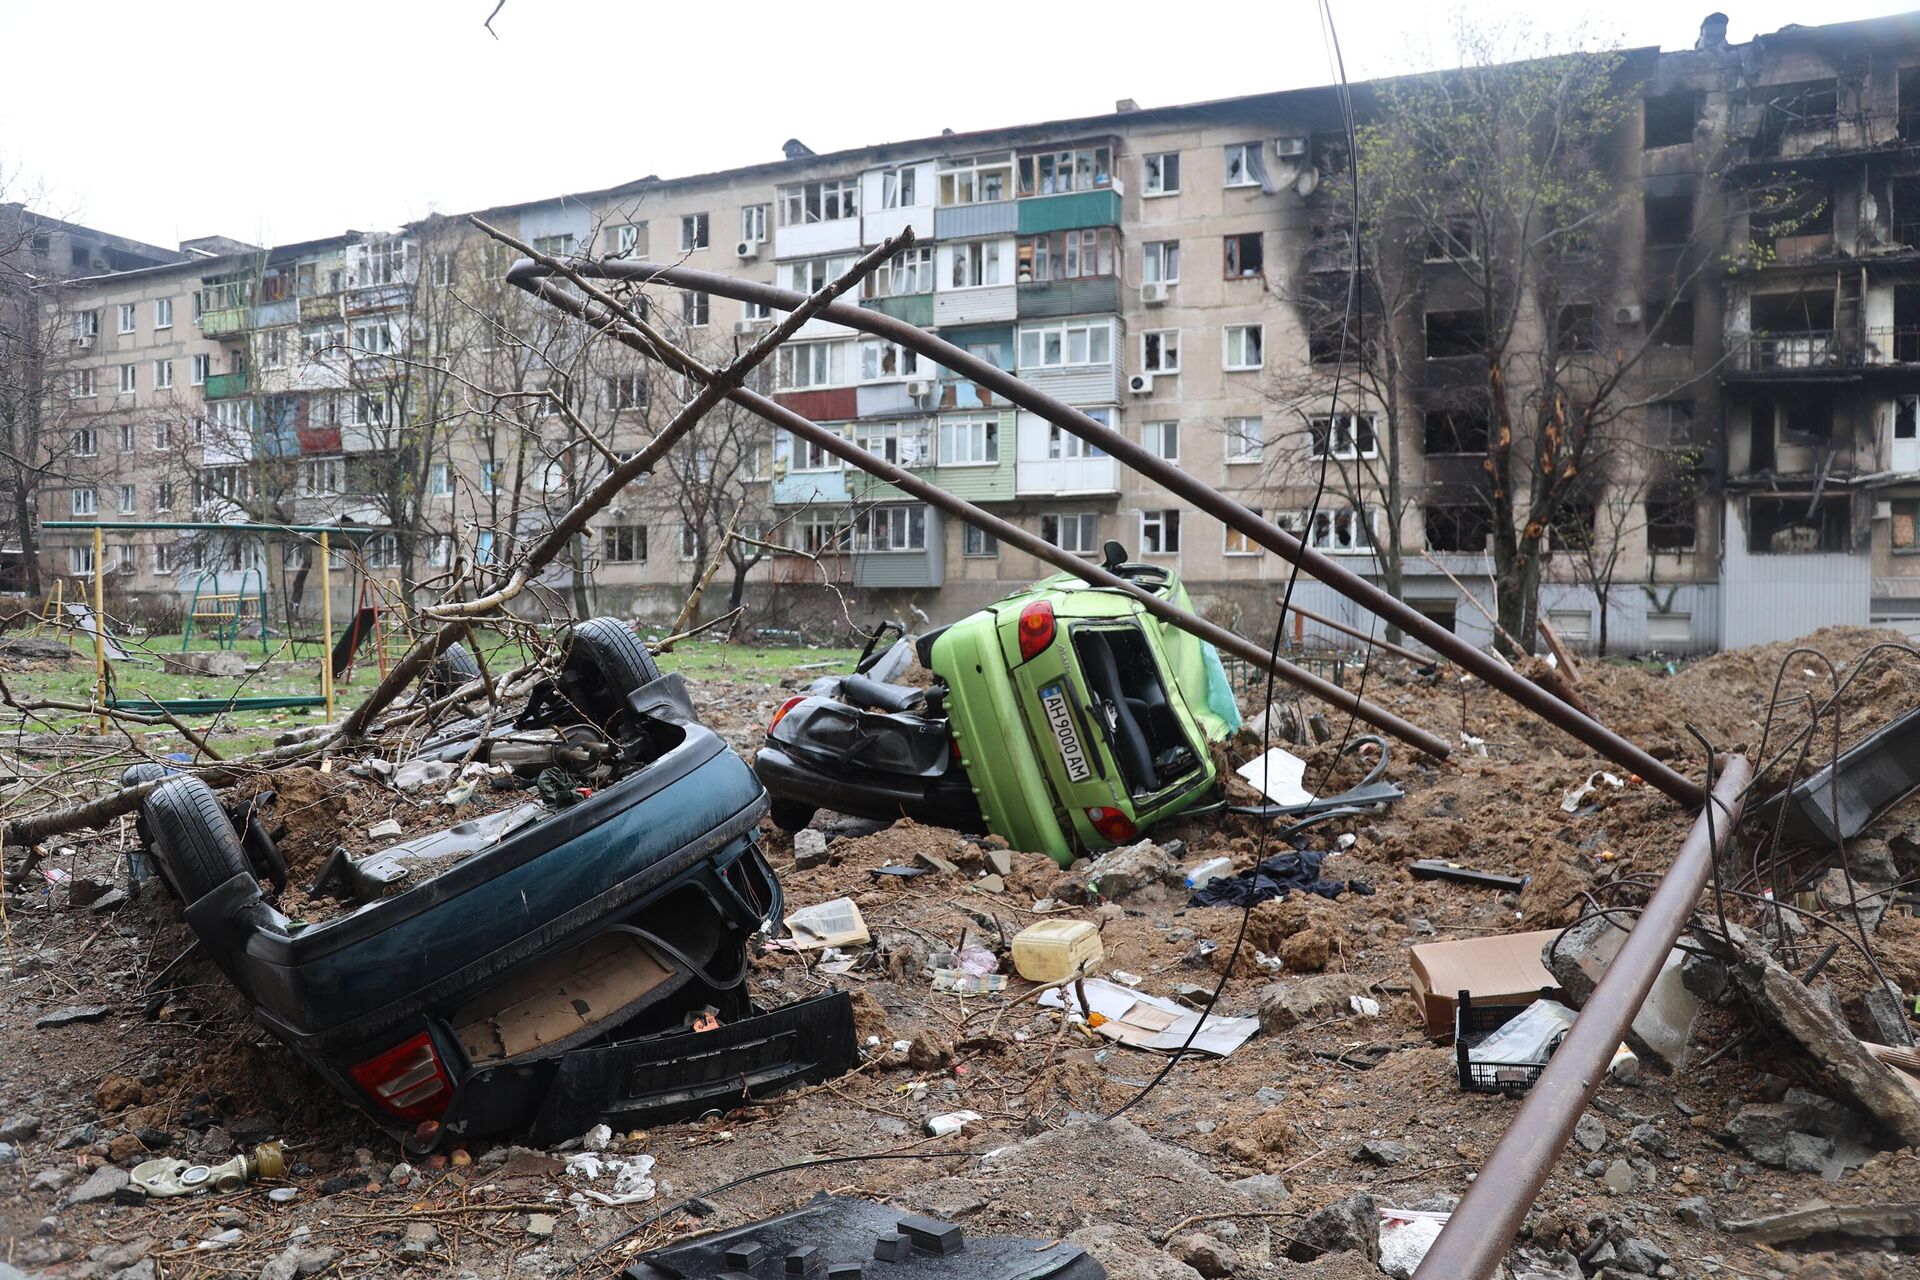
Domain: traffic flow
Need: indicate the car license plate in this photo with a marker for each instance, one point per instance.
(1053, 700)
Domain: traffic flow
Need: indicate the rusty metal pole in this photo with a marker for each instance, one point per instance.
(1013, 535)
(1475, 1240)
(1202, 495)
(1334, 624)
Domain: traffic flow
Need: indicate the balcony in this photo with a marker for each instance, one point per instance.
(1051, 299)
(1813, 351)
(221, 321)
(378, 297)
(226, 386)
(914, 308)
(324, 306)
(1069, 212)
(965, 221)
(919, 567)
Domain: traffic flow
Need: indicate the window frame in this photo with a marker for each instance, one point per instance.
(1233, 254)
(1239, 447)
(696, 231)
(754, 220)
(1163, 429)
(1153, 176)
(978, 544)
(129, 317)
(841, 194)
(1064, 330)
(1155, 258)
(1235, 543)
(950, 173)
(1098, 174)
(163, 313)
(988, 440)
(1342, 426)
(1255, 330)
(1249, 164)
(980, 253)
(1161, 526)
(1160, 357)
(83, 500)
(1082, 521)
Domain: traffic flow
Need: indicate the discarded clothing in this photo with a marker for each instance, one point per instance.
(1275, 878)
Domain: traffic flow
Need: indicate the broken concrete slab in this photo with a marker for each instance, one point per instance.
(1884, 1010)
(1841, 895)
(1662, 1029)
(1818, 1218)
(809, 849)
(1804, 1132)
(1806, 1019)
(71, 1014)
(105, 1184)
(1351, 1225)
(226, 663)
(1119, 873)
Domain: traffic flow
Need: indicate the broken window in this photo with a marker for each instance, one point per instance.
(1799, 524)
(1670, 118)
(1456, 431)
(1076, 532)
(1455, 333)
(1910, 103)
(1672, 518)
(1450, 241)
(1160, 173)
(1669, 220)
(1575, 329)
(828, 201)
(907, 272)
(1243, 346)
(1343, 435)
(1068, 255)
(1160, 351)
(1462, 527)
(1244, 166)
(624, 543)
(1160, 532)
(1348, 530)
(693, 231)
(1244, 255)
(1673, 324)
(897, 187)
(978, 179)
(976, 263)
(1571, 528)
(1053, 173)
(1670, 424)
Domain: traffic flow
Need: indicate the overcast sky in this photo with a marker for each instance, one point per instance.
(276, 122)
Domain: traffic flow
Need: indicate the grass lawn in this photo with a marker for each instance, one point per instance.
(292, 670)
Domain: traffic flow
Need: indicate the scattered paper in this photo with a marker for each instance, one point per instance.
(951, 1122)
(1574, 798)
(1148, 1022)
(960, 982)
(622, 1179)
(828, 924)
(1277, 776)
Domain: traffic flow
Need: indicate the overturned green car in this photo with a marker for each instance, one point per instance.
(1065, 719)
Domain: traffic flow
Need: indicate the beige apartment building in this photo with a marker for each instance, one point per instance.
(1151, 266)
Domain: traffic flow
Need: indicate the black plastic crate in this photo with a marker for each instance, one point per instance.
(1473, 1023)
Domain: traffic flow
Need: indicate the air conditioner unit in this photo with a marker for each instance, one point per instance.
(1153, 294)
(1629, 314)
(745, 326)
(747, 250)
(1140, 383)
(1291, 147)
(920, 389)
(84, 342)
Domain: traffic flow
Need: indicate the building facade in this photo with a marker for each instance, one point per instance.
(1147, 266)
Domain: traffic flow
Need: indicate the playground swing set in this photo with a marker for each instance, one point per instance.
(226, 614)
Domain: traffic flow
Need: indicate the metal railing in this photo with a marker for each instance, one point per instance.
(1787, 352)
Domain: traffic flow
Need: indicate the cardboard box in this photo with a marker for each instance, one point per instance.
(1503, 968)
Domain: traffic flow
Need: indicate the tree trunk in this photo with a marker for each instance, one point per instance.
(24, 514)
(583, 603)
(1600, 650)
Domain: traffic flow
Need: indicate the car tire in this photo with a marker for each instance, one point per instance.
(454, 667)
(605, 662)
(791, 815)
(196, 845)
(144, 771)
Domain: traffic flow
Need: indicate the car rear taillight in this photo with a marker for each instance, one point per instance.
(1036, 629)
(1111, 823)
(780, 715)
(407, 1080)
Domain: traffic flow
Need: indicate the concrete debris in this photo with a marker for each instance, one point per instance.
(1694, 1211)
(71, 1014)
(105, 1184)
(1844, 898)
(1351, 1225)
(1818, 1218)
(1123, 872)
(1127, 1254)
(1286, 1005)
(809, 849)
(1884, 1011)
(1534, 1264)
(1803, 1017)
(1591, 1133)
(1803, 1132)
(19, 1127)
(227, 664)
(298, 1262)
(1663, 1028)
(1204, 1254)
(1382, 1153)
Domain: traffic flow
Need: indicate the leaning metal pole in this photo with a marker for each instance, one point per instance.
(1010, 533)
(1475, 1239)
(1203, 496)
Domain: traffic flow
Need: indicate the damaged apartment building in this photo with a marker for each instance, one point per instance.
(1146, 265)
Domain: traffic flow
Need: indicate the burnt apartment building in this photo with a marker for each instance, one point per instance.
(1157, 267)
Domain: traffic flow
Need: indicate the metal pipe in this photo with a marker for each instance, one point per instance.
(1336, 625)
(1202, 495)
(1474, 1241)
(1012, 534)
(100, 625)
(326, 623)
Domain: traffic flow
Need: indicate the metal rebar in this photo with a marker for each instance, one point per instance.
(1386, 646)
(1202, 495)
(1012, 534)
(1475, 1239)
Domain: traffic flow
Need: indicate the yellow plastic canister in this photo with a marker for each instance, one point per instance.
(1056, 949)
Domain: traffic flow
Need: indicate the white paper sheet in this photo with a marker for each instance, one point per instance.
(1148, 1022)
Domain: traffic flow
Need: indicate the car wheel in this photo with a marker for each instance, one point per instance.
(605, 662)
(197, 847)
(453, 668)
(139, 863)
(791, 815)
(145, 771)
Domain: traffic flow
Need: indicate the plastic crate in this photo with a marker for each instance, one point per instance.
(1473, 1023)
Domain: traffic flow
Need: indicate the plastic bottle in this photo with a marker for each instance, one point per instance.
(1212, 869)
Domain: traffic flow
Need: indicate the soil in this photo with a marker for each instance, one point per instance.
(189, 1070)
